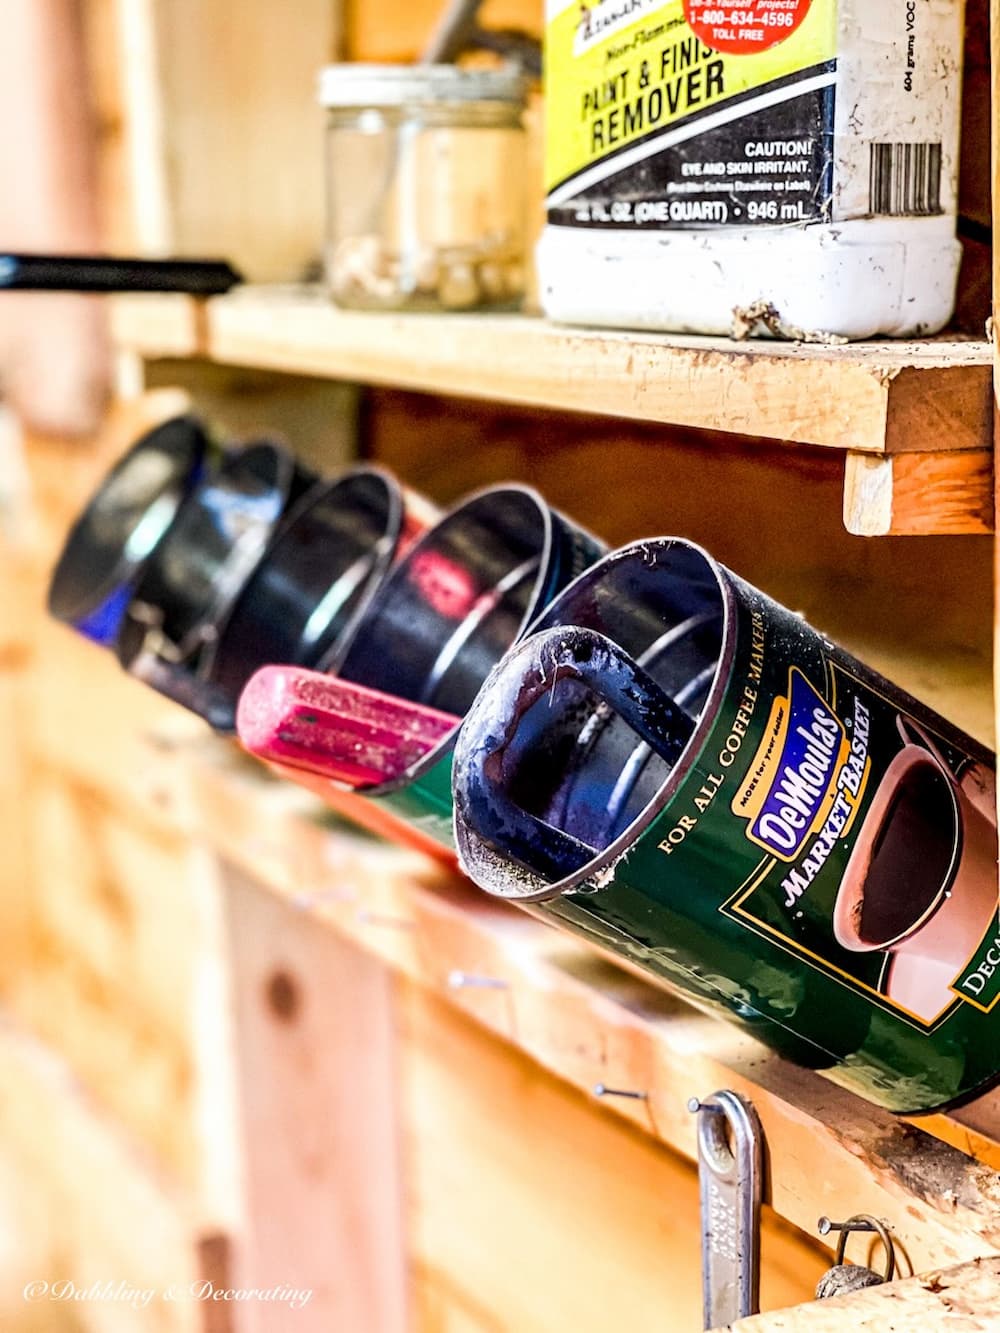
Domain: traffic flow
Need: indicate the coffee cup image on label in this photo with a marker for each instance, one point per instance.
(920, 885)
(690, 776)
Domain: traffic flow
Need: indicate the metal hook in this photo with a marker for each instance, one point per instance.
(862, 1222)
(730, 1173)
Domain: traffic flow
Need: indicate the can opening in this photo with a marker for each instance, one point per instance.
(362, 515)
(123, 524)
(557, 769)
(456, 602)
(325, 561)
(203, 561)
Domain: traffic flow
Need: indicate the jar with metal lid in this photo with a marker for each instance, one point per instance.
(425, 186)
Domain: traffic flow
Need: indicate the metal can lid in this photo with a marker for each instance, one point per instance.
(363, 85)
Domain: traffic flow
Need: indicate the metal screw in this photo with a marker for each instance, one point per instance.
(825, 1226)
(375, 919)
(458, 980)
(600, 1090)
(695, 1105)
(305, 901)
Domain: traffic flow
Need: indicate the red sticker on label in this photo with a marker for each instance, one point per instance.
(741, 27)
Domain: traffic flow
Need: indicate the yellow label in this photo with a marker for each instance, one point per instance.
(612, 80)
(803, 777)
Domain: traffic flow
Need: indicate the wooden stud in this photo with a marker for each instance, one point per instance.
(316, 1075)
(142, 119)
(243, 134)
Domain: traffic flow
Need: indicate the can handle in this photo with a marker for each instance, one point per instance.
(614, 679)
(525, 838)
(617, 680)
(913, 733)
(355, 736)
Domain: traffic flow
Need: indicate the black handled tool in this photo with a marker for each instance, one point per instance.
(108, 273)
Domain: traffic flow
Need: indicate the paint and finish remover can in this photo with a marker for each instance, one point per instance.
(717, 166)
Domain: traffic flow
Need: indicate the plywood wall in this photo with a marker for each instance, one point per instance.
(532, 1209)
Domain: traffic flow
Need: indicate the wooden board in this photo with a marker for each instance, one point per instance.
(82, 1204)
(588, 1022)
(111, 942)
(963, 1299)
(316, 418)
(211, 135)
(910, 494)
(318, 1120)
(872, 397)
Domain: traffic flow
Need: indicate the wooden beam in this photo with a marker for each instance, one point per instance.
(915, 494)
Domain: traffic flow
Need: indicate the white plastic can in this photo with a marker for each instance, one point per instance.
(788, 166)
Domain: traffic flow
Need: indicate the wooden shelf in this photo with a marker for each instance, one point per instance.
(875, 402)
(588, 1022)
(883, 397)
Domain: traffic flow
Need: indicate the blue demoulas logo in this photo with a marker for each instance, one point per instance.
(790, 785)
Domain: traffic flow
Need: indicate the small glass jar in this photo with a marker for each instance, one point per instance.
(425, 186)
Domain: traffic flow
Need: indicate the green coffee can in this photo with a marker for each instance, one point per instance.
(686, 773)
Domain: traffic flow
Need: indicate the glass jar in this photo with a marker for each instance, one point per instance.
(425, 186)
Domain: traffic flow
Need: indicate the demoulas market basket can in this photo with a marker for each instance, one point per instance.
(692, 777)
